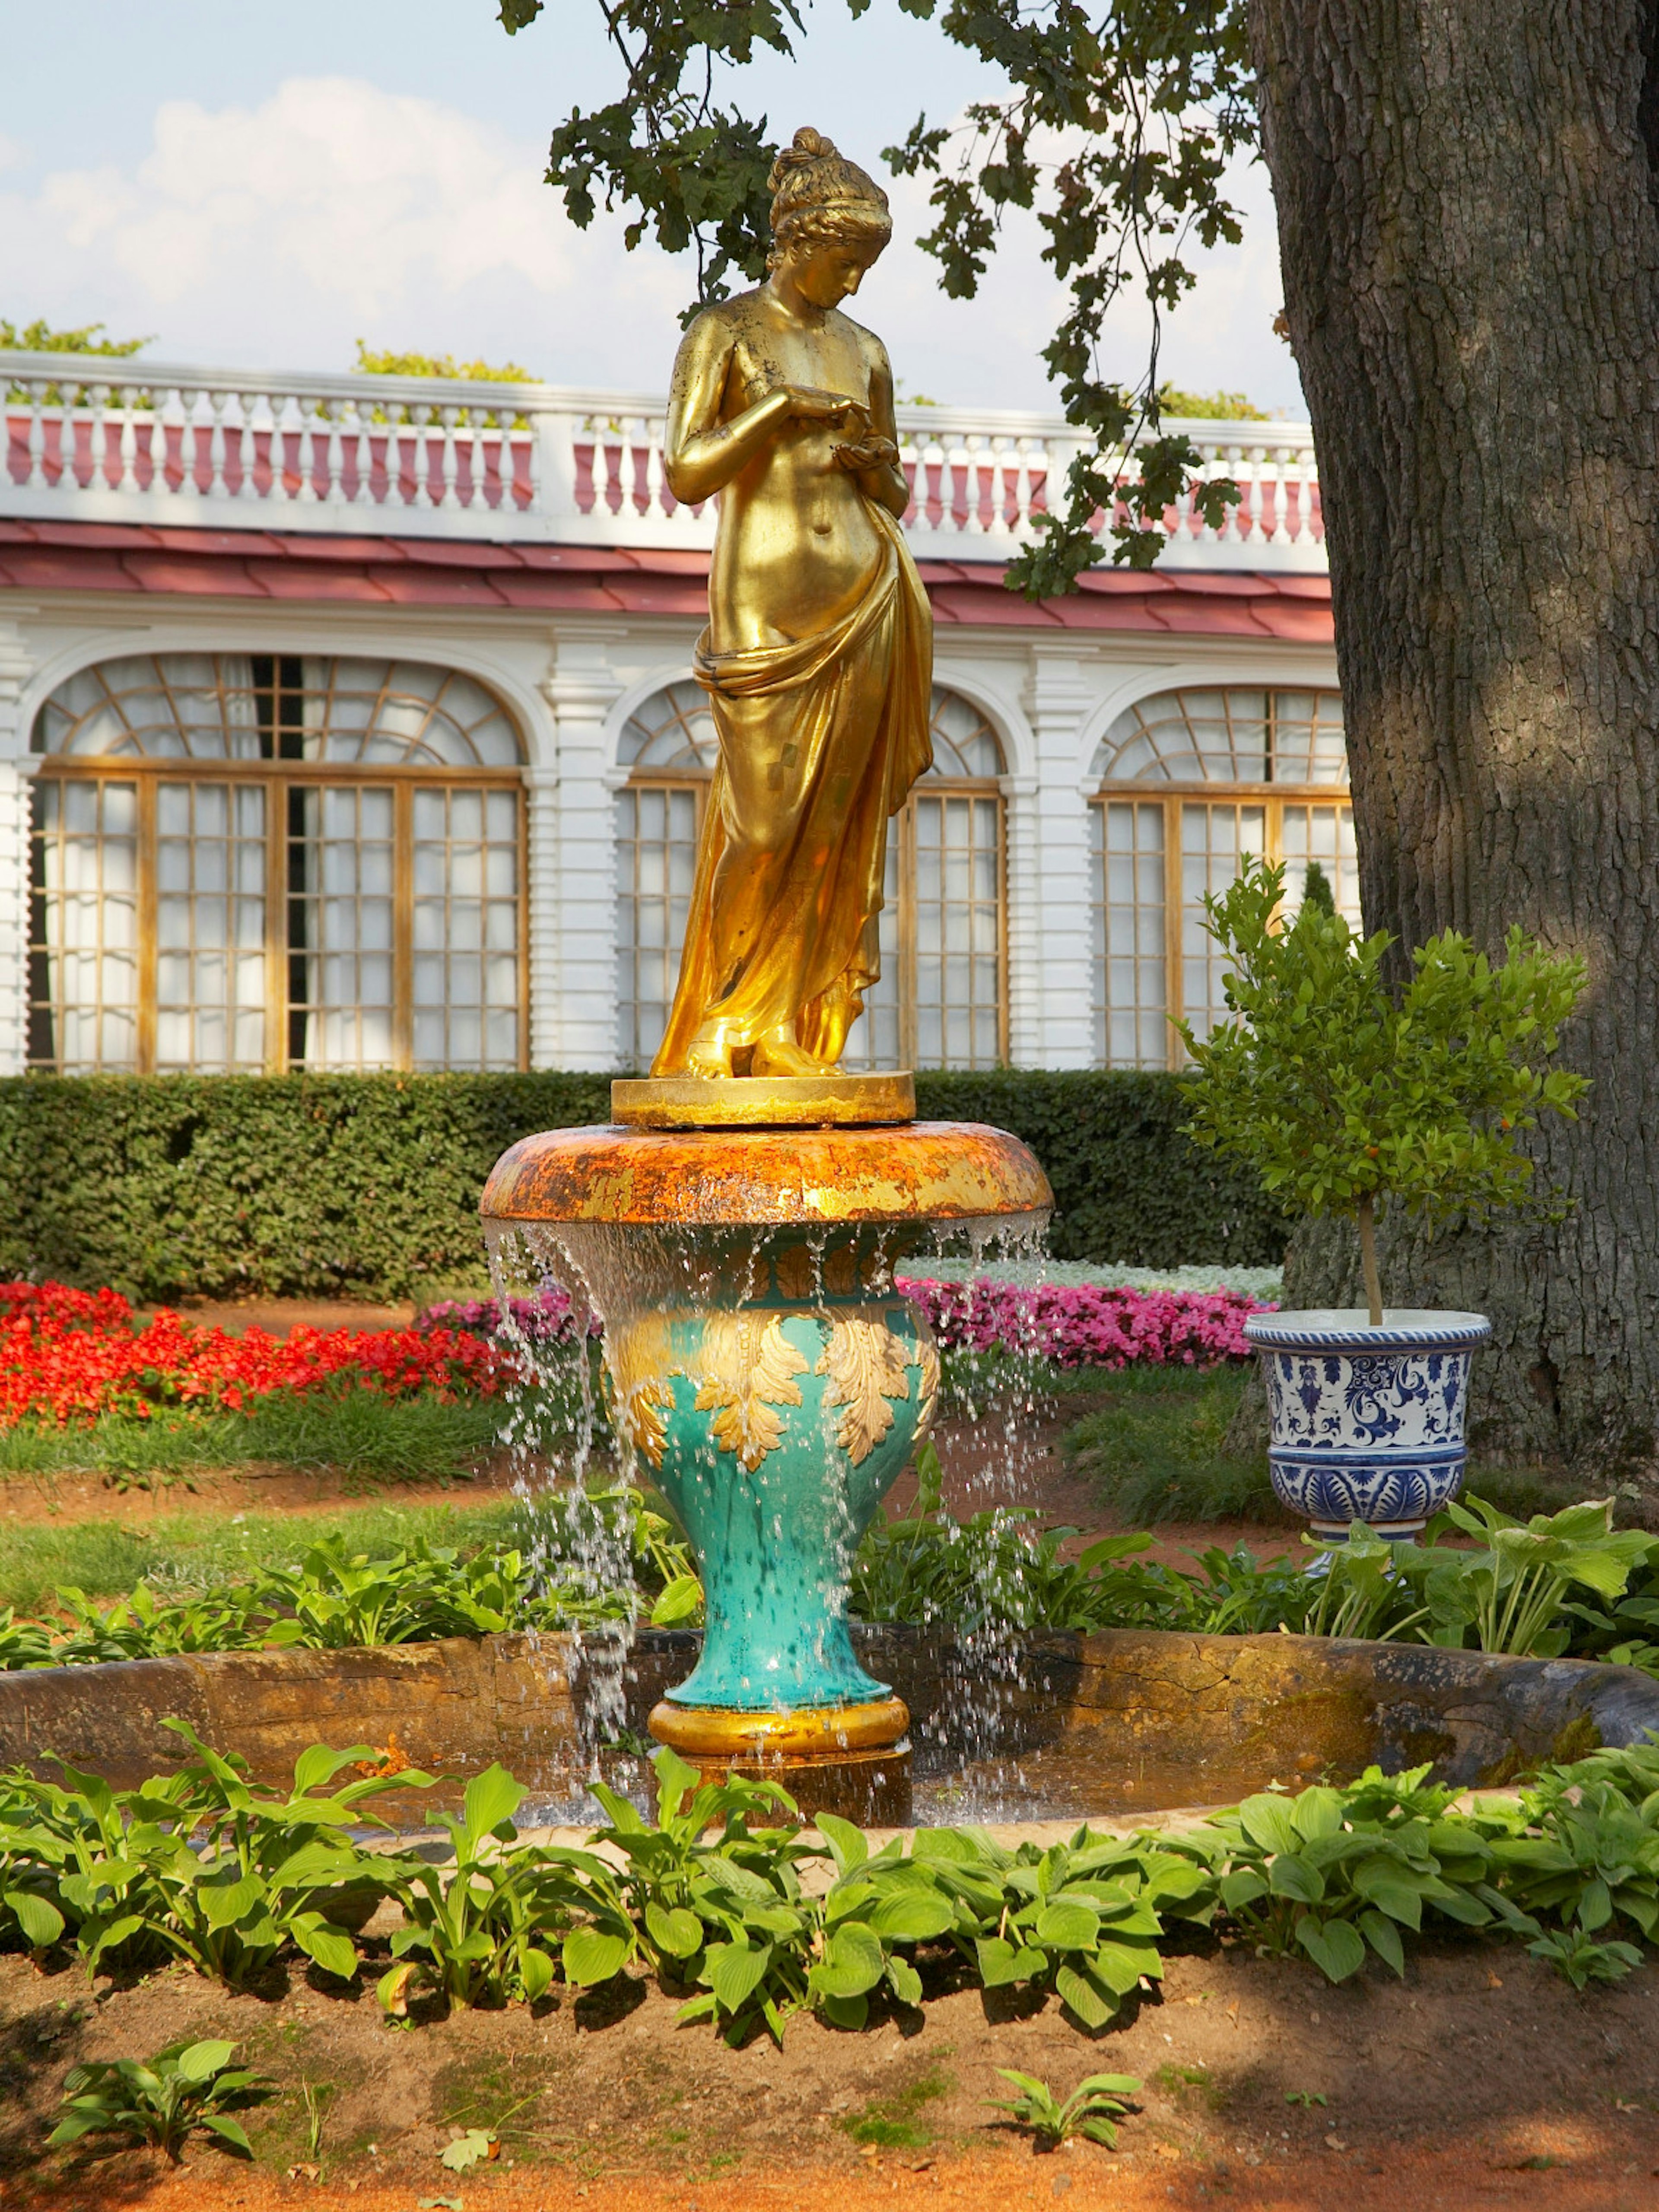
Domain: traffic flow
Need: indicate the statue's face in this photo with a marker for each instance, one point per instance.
(827, 273)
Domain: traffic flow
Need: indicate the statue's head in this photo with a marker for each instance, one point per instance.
(830, 220)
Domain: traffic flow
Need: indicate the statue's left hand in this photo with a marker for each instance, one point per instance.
(868, 453)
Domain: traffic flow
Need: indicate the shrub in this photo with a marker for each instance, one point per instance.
(367, 1186)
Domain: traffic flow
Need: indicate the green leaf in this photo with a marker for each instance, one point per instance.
(1293, 1877)
(673, 1929)
(1267, 1821)
(591, 1955)
(1067, 1926)
(847, 1843)
(850, 2012)
(228, 2130)
(1093, 2005)
(1335, 1946)
(536, 1973)
(491, 1797)
(735, 1971)
(679, 1599)
(319, 1764)
(223, 1903)
(330, 1946)
(1384, 1939)
(676, 1779)
(852, 1961)
(1317, 1813)
(904, 1981)
(1399, 1899)
(1242, 1887)
(915, 1915)
(40, 1922)
(1120, 1965)
(998, 1962)
(200, 2062)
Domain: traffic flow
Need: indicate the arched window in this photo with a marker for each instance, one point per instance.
(941, 999)
(248, 861)
(1190, 781)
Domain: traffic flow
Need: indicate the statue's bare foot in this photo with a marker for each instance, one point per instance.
(778, 1053)
(710, 1052)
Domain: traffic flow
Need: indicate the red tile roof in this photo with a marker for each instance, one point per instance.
(64, 557)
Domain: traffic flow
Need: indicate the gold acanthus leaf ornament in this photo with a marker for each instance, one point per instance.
(927, 1367)
(866, 1366)
(639, 1361)
(748, 1365)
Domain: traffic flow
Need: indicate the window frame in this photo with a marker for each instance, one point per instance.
(1142, 790)
(279, 777)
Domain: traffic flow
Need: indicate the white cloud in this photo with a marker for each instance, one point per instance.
(278, 234)
(275, 235)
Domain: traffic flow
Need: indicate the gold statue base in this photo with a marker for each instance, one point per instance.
(763, 1102)
(850, 1760)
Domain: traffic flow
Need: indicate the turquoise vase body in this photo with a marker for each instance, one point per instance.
(774, 1407)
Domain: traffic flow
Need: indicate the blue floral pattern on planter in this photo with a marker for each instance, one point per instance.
(1367, 1424)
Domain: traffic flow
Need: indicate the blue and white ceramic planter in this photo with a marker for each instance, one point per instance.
(1367, 1424)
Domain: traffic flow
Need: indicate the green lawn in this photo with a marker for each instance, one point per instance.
(180, 1552)
(1155, 1448)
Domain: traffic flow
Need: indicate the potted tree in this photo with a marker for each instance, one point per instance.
(1341, 1092)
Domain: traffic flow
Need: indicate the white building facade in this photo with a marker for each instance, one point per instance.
(348, 723)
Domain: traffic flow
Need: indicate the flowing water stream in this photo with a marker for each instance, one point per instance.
(572, 1459)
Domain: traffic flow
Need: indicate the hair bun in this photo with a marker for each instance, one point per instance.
(809, 146)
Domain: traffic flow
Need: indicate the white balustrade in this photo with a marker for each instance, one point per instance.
(418, 457)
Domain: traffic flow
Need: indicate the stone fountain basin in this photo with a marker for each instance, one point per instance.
(1126, 1720)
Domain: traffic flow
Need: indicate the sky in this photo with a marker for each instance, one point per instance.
(260, 188)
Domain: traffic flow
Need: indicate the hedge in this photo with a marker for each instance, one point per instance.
(367, 1186)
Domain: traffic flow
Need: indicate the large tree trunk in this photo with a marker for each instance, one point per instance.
(1466, 203)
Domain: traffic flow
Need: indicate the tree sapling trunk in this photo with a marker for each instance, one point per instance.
(1367, 1220)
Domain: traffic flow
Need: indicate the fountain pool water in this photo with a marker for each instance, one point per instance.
(769, 1379)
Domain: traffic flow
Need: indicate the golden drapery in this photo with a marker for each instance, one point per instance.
(820, 741)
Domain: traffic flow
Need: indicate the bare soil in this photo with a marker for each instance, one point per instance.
(1482, 2079)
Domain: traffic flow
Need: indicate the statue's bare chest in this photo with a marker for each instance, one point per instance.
(828, 360)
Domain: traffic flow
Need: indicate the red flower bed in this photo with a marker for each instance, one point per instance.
(69, 1355)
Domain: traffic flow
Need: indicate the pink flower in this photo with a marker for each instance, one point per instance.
(1088, 1327)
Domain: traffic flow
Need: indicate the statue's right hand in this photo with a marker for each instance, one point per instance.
(811, 405)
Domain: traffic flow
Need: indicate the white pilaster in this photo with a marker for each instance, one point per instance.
(17, 665)
(573, 973)
(1023, 896)
(1059, 692)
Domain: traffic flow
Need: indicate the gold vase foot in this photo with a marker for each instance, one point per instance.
(850, 1760)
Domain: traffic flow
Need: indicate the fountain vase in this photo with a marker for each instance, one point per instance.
(774, 1416)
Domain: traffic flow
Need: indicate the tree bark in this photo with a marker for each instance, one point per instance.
(1467, 227)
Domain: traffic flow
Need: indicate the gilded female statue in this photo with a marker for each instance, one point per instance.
(818, 659)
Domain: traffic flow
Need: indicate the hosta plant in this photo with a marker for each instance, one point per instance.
(1512, 1594)
(482, 1927)
(1335, 1873)
(1082, 1918)
(204, 1866)
(714, 1897)
(1091, 2109)
(187, 2089)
